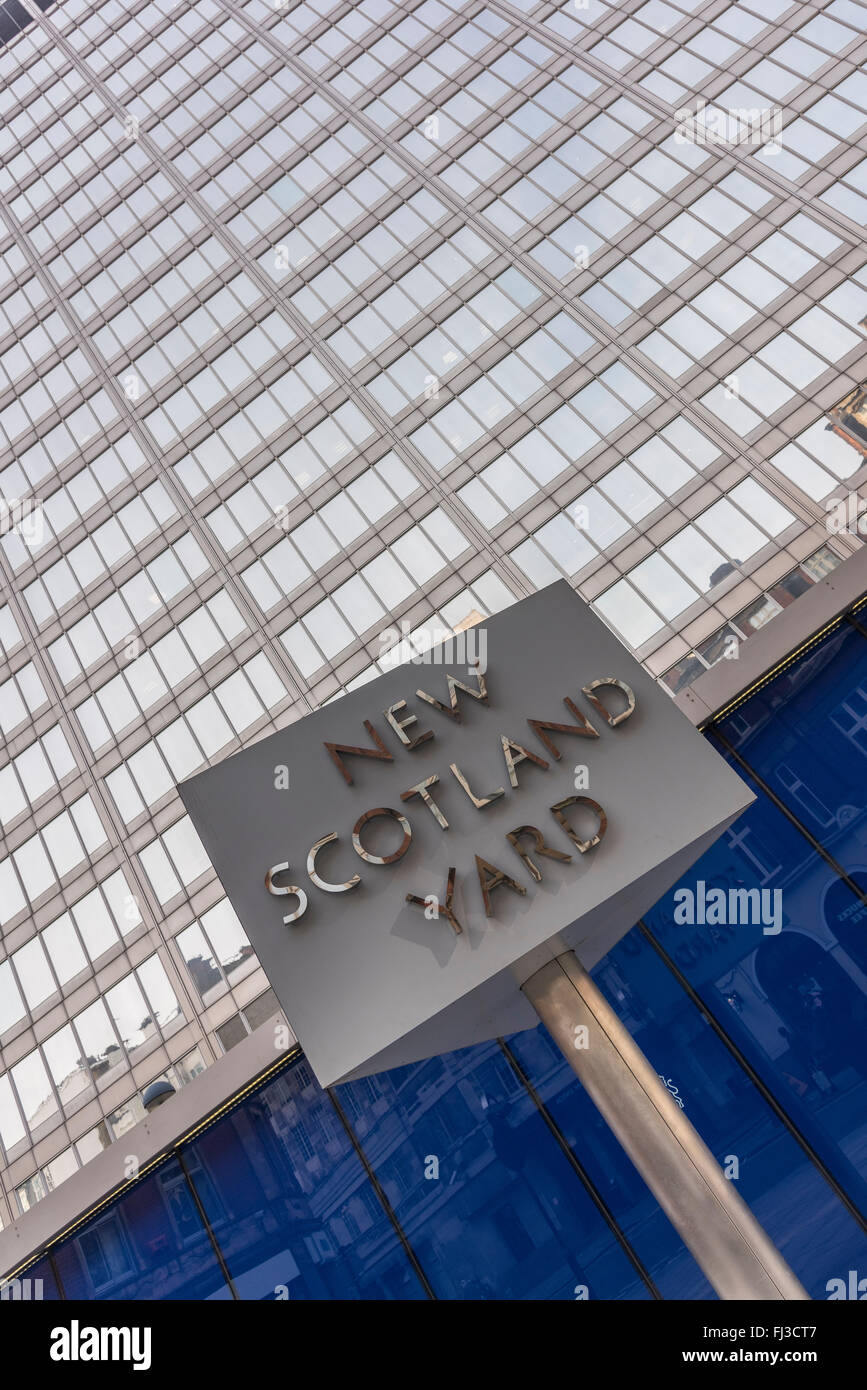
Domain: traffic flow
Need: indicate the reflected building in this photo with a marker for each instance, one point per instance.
(849, 419)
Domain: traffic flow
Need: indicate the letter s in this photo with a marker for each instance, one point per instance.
(282, 892)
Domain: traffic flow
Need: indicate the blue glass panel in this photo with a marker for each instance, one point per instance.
(780, 986)
(151, 1244)
(632, 1205)
(796, 1206)
(488, 1200)
(805, 734)
(290, 1204)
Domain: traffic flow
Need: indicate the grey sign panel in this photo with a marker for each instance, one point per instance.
(369, 980)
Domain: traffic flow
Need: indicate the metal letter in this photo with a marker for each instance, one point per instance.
(581, 845)
(281, 892)
(320, 882)
(612, 719)
(523, 755)
(420, 789)
(480, 802)
(335, 749)
(445, 908)
(584, 728)
(513, 836)
(490, 878)
(400, 725)
(375, 858)
(454, 685)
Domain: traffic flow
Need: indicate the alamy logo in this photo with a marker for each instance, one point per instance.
(845, 514)
(26, 1289)
(77, 1343)
(739, 125)
(742, 907)
(437, 648)
(24, 516)
(853, 1288)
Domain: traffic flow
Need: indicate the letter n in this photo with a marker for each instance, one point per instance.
(453, 709)
(582, 727)
(380, 751)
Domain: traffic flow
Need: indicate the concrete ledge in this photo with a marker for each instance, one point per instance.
(825, 601)
(157, 1133)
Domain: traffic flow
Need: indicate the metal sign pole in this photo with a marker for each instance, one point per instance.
(714, 1222)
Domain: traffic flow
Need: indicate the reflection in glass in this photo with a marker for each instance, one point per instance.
(69, 1071)
(270, 1166)
(34, 1091)
(12, 1129)
(130, 1013)
(527, 1228)
(200, 963)
(164, 1006)
(227, 937)
(149, 1246)
(100, 1049)
(64, 948)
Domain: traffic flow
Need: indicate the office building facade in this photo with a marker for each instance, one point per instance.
(325, 331)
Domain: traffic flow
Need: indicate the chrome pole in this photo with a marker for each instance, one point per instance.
(706, 1210)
